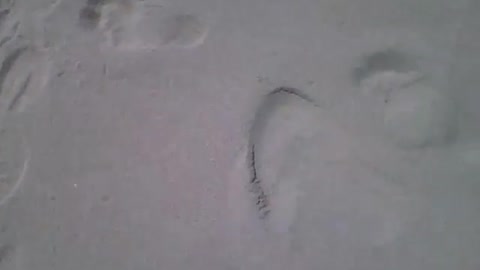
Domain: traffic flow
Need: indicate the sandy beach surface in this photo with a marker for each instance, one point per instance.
(239, 135)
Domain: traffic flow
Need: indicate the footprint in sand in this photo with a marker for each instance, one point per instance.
(24, 75)
(300, 175)
(135, 26)
(14, 159)
(383, 72)
(420, 116)
(284, 118)
(259, 198)
(416, 115)
(24, 67)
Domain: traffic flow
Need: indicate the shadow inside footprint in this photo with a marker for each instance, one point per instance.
(384, 72)
(385, 60)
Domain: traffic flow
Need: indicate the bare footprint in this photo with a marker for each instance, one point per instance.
(299, 187)
(260, 198)
(284, 116)
(420, 116)
(416, 115)
(14, 159)
(130, 26)
(287, 126)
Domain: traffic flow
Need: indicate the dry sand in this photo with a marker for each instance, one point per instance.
(256, 134)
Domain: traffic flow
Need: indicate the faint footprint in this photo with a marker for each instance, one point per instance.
(24, 74)
(14, 159)
(301, 173)
(385, 71)
(136, 26)
(420, 116)
(302, 164)
(259, 199)
(416, 114)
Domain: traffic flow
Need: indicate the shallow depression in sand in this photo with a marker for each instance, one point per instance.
(419, 116)
(14, 159)
(130, 26)
(24, 76)
(316, 193)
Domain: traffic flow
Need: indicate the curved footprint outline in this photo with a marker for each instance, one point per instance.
(265, 111)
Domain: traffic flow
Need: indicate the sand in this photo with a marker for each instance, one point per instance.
(257, 134)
